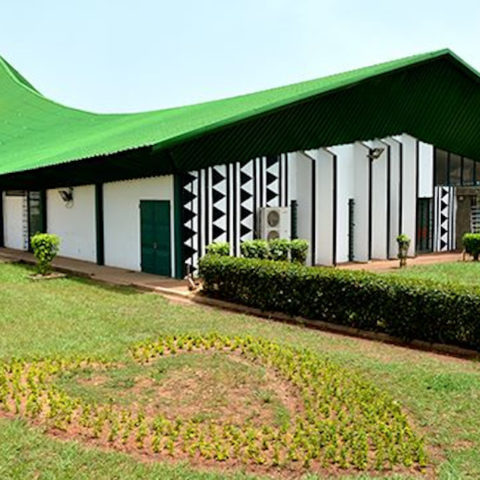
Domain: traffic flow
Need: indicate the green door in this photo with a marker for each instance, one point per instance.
(155, 236)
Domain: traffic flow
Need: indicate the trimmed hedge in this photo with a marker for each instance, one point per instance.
(406, 308)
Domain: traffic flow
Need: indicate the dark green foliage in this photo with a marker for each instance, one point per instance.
(219, 248)
(255, 248)
(45, 248)
(279, 249)
(298, 250)
(403, 307)
(471, 243)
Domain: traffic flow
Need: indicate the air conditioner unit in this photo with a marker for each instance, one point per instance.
(274, 222)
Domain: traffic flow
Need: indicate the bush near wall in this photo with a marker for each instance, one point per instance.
(406, 308)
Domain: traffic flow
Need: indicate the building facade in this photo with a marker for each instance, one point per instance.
(155, 206)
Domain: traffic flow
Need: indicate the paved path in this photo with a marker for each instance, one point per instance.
(116, 276)
(386, 265)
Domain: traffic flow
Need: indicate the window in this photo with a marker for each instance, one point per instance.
(455, 169)
(441, 167)
(468, 172)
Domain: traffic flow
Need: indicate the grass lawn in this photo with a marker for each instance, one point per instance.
(74, 317)
(465, 273)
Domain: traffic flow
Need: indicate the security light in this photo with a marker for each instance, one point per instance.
(66, 195)
(375, 153)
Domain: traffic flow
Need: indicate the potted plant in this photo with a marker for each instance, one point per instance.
(403, 242)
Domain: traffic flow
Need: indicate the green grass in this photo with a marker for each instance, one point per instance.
(464, 273)
(77, 317)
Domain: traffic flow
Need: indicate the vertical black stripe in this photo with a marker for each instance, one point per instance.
(314, 212)
(260, 162)
(2, 220)
(287, 182)
(236, 187)
(29, 246)
(255, 197)
(207, 206)
(370, 161)
(400, 192)
(417, 188)
(280, 180)
(199, 212)
(389, 200)
(43, 210)
(99, 225)
(228, 212)
(448, 168)
(334, 213)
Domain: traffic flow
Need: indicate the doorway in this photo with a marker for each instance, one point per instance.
(155, 237)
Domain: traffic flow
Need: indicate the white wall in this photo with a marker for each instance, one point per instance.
(425, 167)
(409, 200)
(122, 218)
(345, 190)
(324, 206)
(74, 223)
(379, 202)
(395, 152)
(302, 192)
(15, 222)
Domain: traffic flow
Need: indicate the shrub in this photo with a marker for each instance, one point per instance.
(218, 248)
(254, 248)
(279, 249)
(406, 308)
(403, 242)
(45, 248)
(471, 243)
(298, 251)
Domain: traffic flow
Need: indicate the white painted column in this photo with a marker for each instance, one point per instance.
(15, 222)
(425, 170)
(324, 210)
(360, 177)
(409, 189)
(379, 216)
(395, 152)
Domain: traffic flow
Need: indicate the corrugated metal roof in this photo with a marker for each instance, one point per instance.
(433, 96)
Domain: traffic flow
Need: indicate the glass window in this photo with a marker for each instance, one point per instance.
(441, 167)
(455, 169)
(468, 171)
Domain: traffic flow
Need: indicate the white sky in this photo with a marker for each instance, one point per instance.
(125, 55)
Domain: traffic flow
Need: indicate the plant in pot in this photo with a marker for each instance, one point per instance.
(471, 244)
(403, 242)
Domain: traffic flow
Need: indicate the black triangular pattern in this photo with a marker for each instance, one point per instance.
(244, 230)
(271, 194)
(217, 196)
(188, 215)
(245, 213)
(271, 178)
(217, 213)
(217, 231)
(187, 197)
(188, 178)
(217, 176)
(244, 177)
(188, 233)
(271, 161)
(188, 252)
(245, 195)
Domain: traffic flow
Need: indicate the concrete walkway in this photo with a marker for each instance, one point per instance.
(112, 275)
(388, 265)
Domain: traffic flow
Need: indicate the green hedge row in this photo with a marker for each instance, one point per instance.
(406, 308)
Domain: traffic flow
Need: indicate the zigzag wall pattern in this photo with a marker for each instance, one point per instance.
(444, 218)
(219, 204)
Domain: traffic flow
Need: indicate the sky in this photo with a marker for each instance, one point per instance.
(136, 55)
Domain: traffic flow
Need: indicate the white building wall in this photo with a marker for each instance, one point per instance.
(409, 187)
(425, 170)
(379, 202)
(324, 211)
(74, 222)
(122, 218)
(302, 192)
(345, 190)
(395, 152)
(14, 218)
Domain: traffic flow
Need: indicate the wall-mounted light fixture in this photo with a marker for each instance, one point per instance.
(67, 196)
(375, 153)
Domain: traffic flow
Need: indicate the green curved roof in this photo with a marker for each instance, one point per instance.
(405, 95)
